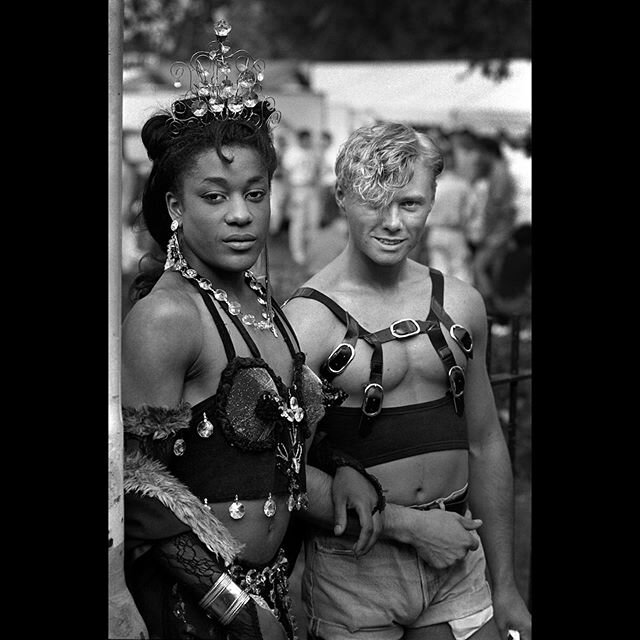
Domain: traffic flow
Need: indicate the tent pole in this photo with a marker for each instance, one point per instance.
(124, 619)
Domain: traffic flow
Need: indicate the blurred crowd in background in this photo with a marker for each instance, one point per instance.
(479, 229)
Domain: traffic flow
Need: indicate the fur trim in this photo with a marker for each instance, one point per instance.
(158, 422)
(151, 478)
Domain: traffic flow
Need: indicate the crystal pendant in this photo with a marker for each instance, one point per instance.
(235, 104)
(246, 79)
(217, 104)
(291, 503)
(206, 504)
(199, 108)
(269, 507)
(226, 89)
(222, 28)
(250, 100)
(205, 428)
(177, 84)
(179, 447)
(236, 509)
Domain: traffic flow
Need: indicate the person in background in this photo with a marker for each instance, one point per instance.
(407, 345)
(330, 209)
(508, 277)
(218, 402)
(517, 152)
(446, 237)
(279, 189)
(499, 212)
(302, 166)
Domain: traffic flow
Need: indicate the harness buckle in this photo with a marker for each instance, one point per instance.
(372, 402)
(456, 380)
(462, 338)
(398, 332)
(341, 356)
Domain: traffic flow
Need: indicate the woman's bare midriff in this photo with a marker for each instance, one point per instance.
(424, 477)
(261, 536)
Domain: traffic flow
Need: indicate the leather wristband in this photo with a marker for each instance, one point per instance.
(341, 461)
(224, 600)
(328, 459)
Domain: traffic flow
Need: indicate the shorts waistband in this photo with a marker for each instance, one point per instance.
(456, 501)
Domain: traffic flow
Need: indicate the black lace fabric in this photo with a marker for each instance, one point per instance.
(190, 562)
(195, 570)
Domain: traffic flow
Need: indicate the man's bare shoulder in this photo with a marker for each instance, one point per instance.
(462, 300)
(314, 323)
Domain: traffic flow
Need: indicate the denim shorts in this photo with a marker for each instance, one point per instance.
(388, 590)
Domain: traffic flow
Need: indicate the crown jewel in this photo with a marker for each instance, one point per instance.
(214, 92)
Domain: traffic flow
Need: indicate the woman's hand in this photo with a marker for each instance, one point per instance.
(270, 628)
(351, 490)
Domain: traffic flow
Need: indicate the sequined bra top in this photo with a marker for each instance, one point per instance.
(247, 440)
(375, 434)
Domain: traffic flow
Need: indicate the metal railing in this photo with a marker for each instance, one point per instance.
(514, 377)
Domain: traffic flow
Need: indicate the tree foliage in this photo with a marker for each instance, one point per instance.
(487, 33)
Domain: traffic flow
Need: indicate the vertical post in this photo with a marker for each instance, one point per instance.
(124, 619)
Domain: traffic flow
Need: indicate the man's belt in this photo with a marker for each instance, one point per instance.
(458, 504)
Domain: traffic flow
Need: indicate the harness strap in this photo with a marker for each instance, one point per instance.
(438, 340)
(354, 330)
(401, 329)
(437, 292)
(350, 338)
(314, 294)
(290, 337)
(375, 378)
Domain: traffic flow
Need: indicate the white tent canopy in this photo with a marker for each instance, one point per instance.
(444, 93)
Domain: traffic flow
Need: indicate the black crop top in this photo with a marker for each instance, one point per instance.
(374, 434)
(247, 439)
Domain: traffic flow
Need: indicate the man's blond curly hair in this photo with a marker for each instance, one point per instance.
(377, 160)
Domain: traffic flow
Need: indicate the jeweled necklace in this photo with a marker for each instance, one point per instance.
(177, 262)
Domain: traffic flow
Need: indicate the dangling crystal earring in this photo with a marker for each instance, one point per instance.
(173, 250)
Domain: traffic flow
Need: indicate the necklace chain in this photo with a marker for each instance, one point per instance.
(177, 262)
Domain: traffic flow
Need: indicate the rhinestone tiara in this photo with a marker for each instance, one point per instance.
(216, 92)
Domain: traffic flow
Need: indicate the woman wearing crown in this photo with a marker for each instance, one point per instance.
(218, 403)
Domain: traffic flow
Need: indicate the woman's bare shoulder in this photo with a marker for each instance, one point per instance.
(166, 316)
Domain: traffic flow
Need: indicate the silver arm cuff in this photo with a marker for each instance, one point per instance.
(224, 600)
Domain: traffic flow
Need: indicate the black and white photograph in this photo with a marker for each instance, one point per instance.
(320, 320)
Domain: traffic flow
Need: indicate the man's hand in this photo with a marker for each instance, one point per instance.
(510, 612)
(350, 489)
(440, 537)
